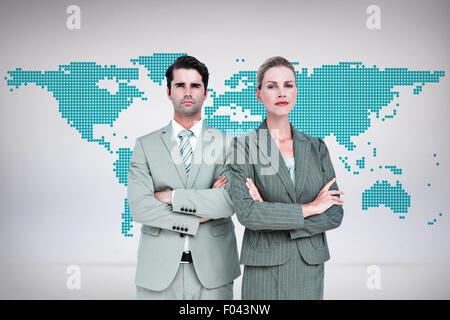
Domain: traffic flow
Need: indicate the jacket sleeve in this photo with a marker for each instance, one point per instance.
(144, 207)
(330, 218)
(253, 214)
(213, 203)
(206, 203)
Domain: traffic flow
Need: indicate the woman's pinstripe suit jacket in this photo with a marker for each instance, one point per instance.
(275, 226)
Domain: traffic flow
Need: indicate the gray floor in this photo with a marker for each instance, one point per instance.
(115, 281)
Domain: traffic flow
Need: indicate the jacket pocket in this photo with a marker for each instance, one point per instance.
(310, 254)
(264, 241)
(153, 231)
(222, 228)
(318, 241)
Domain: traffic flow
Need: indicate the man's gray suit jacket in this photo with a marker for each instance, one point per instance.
(156, 165)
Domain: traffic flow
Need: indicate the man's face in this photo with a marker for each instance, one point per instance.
(187, 91)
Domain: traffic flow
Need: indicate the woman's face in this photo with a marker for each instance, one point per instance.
(278, 92)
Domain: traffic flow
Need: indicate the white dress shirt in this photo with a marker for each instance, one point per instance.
(196, 130)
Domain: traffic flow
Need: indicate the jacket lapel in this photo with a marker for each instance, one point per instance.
(174, 152)
(302, 148)
(276, 161)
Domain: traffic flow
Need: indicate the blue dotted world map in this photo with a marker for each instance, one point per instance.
(332, 100)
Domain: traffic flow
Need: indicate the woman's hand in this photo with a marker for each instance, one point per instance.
(253, 190)
(323, 201)
(220, 182)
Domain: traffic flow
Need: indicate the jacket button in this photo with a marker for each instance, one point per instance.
(181, 235)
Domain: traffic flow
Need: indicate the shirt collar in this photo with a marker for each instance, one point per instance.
(196, 128)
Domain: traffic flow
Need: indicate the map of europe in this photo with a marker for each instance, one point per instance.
(332, 100)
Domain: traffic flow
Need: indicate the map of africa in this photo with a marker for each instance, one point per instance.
(332, 100)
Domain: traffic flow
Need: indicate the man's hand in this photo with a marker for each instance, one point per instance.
(164, 196)
(220, 182)
(253, 190)
(204, 220)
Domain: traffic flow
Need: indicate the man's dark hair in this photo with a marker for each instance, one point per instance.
(188, 62)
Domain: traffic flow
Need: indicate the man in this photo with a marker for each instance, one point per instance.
(177, 190)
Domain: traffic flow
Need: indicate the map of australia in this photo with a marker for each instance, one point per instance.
(332, 100)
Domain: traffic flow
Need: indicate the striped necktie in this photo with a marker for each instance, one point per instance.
(186, 148)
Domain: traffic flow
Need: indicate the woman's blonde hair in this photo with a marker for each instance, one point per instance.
(270, 63)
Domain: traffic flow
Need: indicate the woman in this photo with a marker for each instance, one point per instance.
(285, 194)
